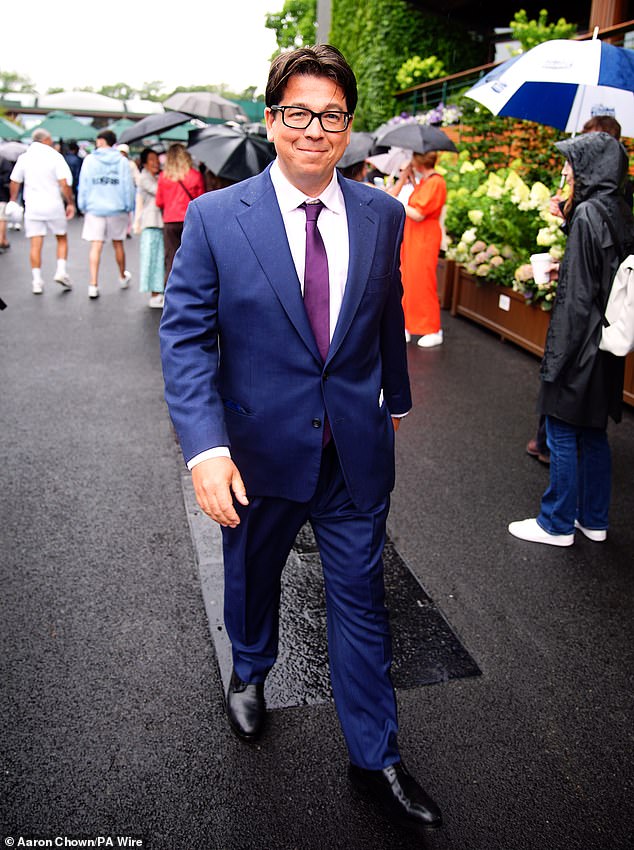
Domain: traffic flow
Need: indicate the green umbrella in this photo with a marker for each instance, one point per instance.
(117, 127)
(9, 131)
(180, 133)
(61, 125)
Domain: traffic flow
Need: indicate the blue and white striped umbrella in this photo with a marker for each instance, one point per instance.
(563, 83)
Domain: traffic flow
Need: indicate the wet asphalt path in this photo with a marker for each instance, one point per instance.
(112, 699)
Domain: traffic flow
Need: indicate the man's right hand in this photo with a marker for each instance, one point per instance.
(214, 482)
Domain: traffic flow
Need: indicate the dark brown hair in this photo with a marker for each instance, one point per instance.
(427, 159)
(322, 60)
(108, 136)
(603, 124)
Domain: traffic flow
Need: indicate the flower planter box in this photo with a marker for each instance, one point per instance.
(499, 309)
(445, 271)
(506, 313)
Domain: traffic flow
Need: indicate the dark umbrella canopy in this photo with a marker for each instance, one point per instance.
(204, 104)
(418, 138)
(152, 125)
(360, 147)
(231, 153)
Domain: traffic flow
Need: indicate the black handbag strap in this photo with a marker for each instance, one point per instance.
(191, 197)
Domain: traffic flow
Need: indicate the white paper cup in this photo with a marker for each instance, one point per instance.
(541, 264)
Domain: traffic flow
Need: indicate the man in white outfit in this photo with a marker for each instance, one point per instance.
(47, 182)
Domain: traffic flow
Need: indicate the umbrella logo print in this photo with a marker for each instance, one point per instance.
(601, 109)
(557, 65)
(498, 86)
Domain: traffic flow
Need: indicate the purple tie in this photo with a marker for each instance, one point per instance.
(316, 285)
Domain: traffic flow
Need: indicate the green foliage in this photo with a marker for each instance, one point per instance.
(531, 33)
(295, 26)
(120, 91)
(12, 81)
(495, 220)
(416, 70)
(376, 37)
(152, 90)
(499, 141)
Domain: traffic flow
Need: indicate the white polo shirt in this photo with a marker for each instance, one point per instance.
(40, 169)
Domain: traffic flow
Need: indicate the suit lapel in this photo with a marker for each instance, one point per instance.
(262, 224)
(362, 236)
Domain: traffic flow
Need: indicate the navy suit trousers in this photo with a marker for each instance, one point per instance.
(359, 643)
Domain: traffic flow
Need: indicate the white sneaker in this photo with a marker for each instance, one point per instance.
(531, 530)
(596, 534)
(124, 281)
(63, 280)
(37, 287)
(408, 336)
(430, 340)
(93, 291)
(156, 301)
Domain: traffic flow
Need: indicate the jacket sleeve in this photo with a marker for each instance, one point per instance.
(82, 190)
(189, 342)
(581, 274)
(395, 379)
(159, 200)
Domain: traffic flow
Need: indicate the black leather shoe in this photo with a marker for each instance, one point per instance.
(398, 792)
(245, 707)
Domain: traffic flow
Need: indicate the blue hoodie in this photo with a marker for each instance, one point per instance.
(105, 183)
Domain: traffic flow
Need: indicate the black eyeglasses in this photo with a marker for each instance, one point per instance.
(299, 118)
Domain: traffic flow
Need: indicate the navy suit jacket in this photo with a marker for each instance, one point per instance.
(240, 361)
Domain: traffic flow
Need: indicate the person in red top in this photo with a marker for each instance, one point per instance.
(178, 184)
(420, 247)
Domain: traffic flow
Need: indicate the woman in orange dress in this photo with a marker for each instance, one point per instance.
(421, 246)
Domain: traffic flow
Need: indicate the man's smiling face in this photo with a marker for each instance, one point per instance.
(308, 157)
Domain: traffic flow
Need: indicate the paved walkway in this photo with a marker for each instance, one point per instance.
(112, 699)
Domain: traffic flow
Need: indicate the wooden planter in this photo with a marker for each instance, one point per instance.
(445, 271)
(507, 313)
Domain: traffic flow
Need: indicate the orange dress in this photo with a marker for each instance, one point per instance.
(419, 257)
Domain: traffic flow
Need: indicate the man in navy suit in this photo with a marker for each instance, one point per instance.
(283, 347)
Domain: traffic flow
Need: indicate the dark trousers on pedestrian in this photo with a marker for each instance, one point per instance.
(359, 643)
(172, 233)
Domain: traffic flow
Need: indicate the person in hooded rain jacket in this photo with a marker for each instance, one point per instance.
(581, 386)
(106, 196)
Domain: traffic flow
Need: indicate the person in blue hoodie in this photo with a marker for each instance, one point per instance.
(106, 196)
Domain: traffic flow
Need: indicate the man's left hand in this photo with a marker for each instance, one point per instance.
(396, 422)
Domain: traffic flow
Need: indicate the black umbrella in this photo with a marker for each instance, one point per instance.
(360, 147)
(231, 153)
(205, 104)
(152, 125)
(418, 138)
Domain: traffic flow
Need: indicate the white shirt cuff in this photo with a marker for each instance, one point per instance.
(218, 451)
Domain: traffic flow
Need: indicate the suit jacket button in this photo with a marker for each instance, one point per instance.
(316, 423)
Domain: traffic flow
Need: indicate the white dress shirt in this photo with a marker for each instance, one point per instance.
(333, 227)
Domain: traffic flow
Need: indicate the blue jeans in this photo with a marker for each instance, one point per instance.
(580, 478)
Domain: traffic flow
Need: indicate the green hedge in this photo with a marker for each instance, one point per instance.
(378, 36)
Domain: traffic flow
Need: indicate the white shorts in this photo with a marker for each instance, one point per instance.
(102, 228)
(3, 206)
(41, 226)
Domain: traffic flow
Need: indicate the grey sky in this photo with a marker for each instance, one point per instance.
(132, 42)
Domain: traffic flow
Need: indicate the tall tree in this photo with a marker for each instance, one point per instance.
(12, 81)
(295, 25)
(120, 91)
